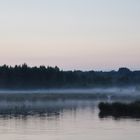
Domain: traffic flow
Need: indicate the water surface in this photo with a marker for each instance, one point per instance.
(68, 120)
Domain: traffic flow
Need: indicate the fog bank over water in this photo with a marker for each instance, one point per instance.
(113, 90)
(54, 101)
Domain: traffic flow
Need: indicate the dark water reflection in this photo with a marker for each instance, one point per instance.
(64, 120)
(43, 108)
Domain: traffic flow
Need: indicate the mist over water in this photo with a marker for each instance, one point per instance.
(90, 93)
(66, 120)
(65, 114)
(113, 90)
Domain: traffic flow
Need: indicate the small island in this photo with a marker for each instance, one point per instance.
(119, 110)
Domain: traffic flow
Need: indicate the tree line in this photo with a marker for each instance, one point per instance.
(25, 77)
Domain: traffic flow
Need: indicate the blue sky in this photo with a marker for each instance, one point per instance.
(72, 34)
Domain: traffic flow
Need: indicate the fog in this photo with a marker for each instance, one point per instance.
(71, 94)
(30, 102)
(100, 90)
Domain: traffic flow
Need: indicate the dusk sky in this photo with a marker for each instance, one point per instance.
(72, 34)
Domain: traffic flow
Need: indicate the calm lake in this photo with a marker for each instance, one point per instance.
(68, 120)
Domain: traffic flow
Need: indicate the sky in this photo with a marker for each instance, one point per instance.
(72, 34)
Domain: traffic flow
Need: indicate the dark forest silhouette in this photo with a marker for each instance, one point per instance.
(25, 77)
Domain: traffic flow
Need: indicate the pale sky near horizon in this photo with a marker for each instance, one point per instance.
(72, 34)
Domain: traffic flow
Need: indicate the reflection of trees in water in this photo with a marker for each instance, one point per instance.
(41, 109)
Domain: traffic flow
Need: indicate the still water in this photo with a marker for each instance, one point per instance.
(68, 120)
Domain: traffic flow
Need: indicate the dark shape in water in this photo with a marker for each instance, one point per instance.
(29, 111)
(119, 110)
